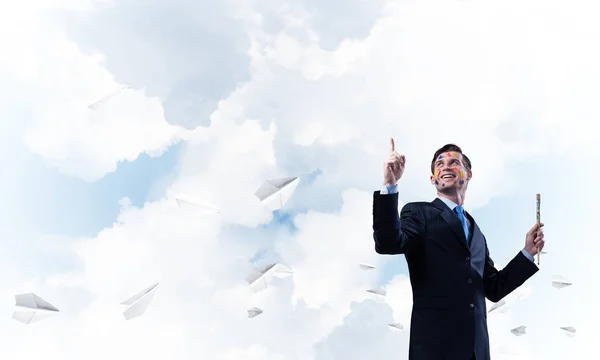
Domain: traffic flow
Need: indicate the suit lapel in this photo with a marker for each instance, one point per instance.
(452, 219)
(476, 233)
(474, 230)
(478, 247)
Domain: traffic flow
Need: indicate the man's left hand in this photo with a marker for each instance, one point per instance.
(534, 240)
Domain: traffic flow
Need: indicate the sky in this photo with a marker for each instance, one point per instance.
(226, 94)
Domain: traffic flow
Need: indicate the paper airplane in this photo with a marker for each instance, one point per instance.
(569, 330)
(275, 193)
(254, 312)
(262, 276)
(366, 267)
(505, 304)
(560, 282)
(40, 308)
(396, 326)
(139, 302)
(196, 208)
(499, 305)
(518, 331)
(377, 294)
(105, 99)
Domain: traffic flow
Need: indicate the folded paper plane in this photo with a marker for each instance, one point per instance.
(377, 294)
(254, 312)
(500, 305)
(568, 330)
(518, 331)
(39, 308)
(560, 282)
(95, 106)
(275, 193)
(396, 326)
(139, 302)
(262, 276)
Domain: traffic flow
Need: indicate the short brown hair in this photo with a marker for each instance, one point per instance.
(448, 148)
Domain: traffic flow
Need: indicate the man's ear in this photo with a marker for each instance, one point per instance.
(469, 175)
(432, 179)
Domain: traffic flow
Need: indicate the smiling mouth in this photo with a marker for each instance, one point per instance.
(448, 176)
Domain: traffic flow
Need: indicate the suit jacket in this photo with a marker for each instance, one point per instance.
(450, 279)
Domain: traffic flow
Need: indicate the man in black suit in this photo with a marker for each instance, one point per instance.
(450, 268)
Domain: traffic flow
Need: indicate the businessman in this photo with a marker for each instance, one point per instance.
(450, 268)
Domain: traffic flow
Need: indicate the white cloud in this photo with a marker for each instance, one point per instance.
(326, 259)
(60, 83)
(84, 142)
(455, 72)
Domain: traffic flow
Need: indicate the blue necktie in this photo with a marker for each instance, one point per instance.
(461, 216)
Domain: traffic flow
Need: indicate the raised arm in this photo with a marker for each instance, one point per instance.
(393, 233)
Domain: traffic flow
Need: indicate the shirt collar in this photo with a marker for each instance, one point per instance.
(451, 204)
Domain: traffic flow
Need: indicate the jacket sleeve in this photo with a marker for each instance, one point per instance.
(393, 233)
(499, 283)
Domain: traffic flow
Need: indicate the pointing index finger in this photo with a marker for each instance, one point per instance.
(393, 147)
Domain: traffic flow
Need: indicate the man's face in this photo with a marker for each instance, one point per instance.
(449, 172)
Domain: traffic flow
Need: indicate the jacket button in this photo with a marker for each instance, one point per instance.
(468, 259)
(472, 306)
(470, 281)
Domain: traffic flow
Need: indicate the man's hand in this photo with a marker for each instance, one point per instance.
(534, 240)
(393, 167)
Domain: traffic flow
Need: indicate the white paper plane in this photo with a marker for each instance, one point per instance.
(196, 208)
(40, 308)
(560, 282)
(505, 304)
(254, 312)
(500, 306)
(380, 292)
(377, 294)
(139, 302)
(105, 99)
(366, 267)
(396, 326)
(29, 317)
(275, 193)
(32, 301)
(518, 331)
(262, 276)
(568, 330)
